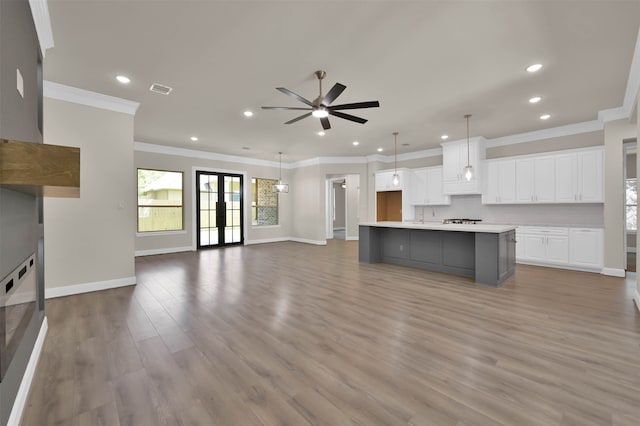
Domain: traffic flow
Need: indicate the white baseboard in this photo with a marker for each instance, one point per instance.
(162, 251)
(27, 379)
(306, 241)
(636, 297)
(267, 240)
(352, 238)
(70, 290)
(613, 272)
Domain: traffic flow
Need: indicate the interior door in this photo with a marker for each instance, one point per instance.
(219, 205)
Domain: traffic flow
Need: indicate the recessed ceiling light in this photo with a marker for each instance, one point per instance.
(534, 67)
(535, 100)
(123, 79)
(444, 137)
(321, 133)
(194, 138)
(355, 143)
(545, 117)
(380, 149)
(248, 113)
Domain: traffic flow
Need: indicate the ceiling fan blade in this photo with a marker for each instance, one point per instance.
(335, 91)
(293, 95)
(325, 123)
(298, 118)
(348, 117)
(288, 108)
(357, 105)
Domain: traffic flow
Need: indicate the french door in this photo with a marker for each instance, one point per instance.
(219, 205)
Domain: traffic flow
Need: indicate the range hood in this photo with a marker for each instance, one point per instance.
(34, 168)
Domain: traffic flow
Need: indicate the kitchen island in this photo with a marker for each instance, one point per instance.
(483, 252)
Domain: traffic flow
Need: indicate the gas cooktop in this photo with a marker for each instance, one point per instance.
(462, 221)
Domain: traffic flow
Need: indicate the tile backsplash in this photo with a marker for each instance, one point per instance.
(470, 206)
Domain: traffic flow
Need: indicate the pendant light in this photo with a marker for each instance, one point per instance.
(280, 187)
(396, 177)
(468, 171)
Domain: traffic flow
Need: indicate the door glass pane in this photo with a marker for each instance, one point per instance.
(204, 237)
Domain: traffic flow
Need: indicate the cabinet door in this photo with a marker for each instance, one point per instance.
(492, 184)
(567, 178)
(557, 249)
(451, 163)
(524, 180)
(534, 247)
(507, 181)
(544, 179)
(585, 247)
(590, 179)
(418, 186)
(383, 181)
(435, 196)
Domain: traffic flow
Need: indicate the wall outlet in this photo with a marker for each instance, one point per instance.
(19, 83)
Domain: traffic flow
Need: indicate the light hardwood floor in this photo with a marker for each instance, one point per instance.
(295, 334)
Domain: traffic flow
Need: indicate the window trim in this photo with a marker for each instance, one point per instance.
(254, 198)
(138, 205)
(628, 230)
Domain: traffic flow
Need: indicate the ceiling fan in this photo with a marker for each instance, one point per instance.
(321, 106)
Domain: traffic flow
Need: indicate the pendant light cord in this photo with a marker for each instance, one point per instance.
(467, 117)
(280, 174)
(395, 152)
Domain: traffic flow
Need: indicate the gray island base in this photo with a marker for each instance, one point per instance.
(485, 253)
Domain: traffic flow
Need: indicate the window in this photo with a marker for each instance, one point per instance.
(264, 204)
(159, 201)
(631, 190)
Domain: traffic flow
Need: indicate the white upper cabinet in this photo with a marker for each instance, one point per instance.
(419, 186)
(590, 177)
(435, 196)
(500, 182)
(426, 187)
(384, 180)
(579, 177)
(535, 180)
(454, 159)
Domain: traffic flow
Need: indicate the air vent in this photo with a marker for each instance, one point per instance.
(159, 88)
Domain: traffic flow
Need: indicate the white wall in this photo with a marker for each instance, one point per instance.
(166, 242)
(90, 239)
(614, 235)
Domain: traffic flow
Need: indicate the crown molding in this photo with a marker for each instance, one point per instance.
(42, 21)
(207, 155)
(633, 83)
(552, 132)
(85, 97)
(613, 114)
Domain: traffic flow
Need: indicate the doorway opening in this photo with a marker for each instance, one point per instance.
(219, 207)
(342, 206)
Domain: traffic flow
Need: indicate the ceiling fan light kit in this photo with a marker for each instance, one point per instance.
(321, 106)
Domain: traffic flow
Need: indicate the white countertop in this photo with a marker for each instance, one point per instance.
(494, 229)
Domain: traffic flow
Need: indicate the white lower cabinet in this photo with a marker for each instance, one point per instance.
(545, 245)
(573, 248)
(586, 247)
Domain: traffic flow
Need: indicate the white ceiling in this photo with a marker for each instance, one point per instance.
(427, 62)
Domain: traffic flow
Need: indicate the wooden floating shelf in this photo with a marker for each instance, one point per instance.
(50, 170)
